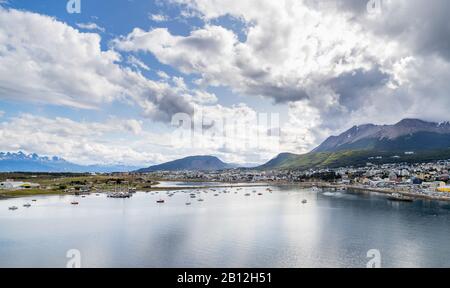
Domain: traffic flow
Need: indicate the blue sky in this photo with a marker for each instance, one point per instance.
(104, 85)
(119, 18)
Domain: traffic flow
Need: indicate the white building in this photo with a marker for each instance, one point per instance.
(17, 185)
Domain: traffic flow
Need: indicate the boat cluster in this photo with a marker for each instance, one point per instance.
(128, 193)
(27, 205)
(122, 194)
(197, 194)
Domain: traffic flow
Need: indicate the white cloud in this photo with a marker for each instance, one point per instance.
(347, 66)
(135, 62)
(61, 66)
(289, 54)
(158, 17)
(332, 66)
(129, 141)
(90, 26)
(80, 142)
(163, 75)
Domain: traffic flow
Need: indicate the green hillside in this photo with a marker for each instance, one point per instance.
(352, 158)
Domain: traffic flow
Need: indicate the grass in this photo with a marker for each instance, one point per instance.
(357, 158)
(29, 192)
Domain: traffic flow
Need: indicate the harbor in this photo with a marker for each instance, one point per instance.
(298, 221)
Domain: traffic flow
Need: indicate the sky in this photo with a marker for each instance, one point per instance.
(140, 82)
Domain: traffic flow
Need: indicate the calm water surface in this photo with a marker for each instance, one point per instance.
(230, 230)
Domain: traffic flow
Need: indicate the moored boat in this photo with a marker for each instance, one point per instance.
(400, 198)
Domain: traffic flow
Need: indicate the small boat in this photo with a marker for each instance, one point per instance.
(74, 203)
(248, 194)
(216, 195)
(34, 200)
(260, 194)
(188, 203)
(28, 205)
(200, 200)
(13, 208)
(400, 198)
(160, 201)
(304, 201)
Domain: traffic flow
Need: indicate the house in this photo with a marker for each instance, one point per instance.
(17, 185)
(443, 188)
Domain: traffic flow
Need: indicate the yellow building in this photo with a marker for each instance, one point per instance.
(443, 188)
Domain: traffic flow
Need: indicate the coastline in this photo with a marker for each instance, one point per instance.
(302, 185)
(387, 191)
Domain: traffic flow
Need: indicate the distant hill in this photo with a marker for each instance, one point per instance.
(21, 162)
(193, 163)
(410, 140)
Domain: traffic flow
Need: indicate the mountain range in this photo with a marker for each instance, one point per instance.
(21, 162)
(193, 163)
(410, 140)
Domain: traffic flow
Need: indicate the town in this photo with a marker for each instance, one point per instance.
(428, 180)
(423, 180)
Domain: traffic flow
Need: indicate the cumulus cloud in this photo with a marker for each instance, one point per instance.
(331, 63)
(61, 66)
(346, 64)
(236, 136)
(80, 142)
(289, 54)
(90, 26)
(135, 62)
(158, 17)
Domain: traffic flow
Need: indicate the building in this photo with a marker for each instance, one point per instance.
(17, 185)
(443, 187)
